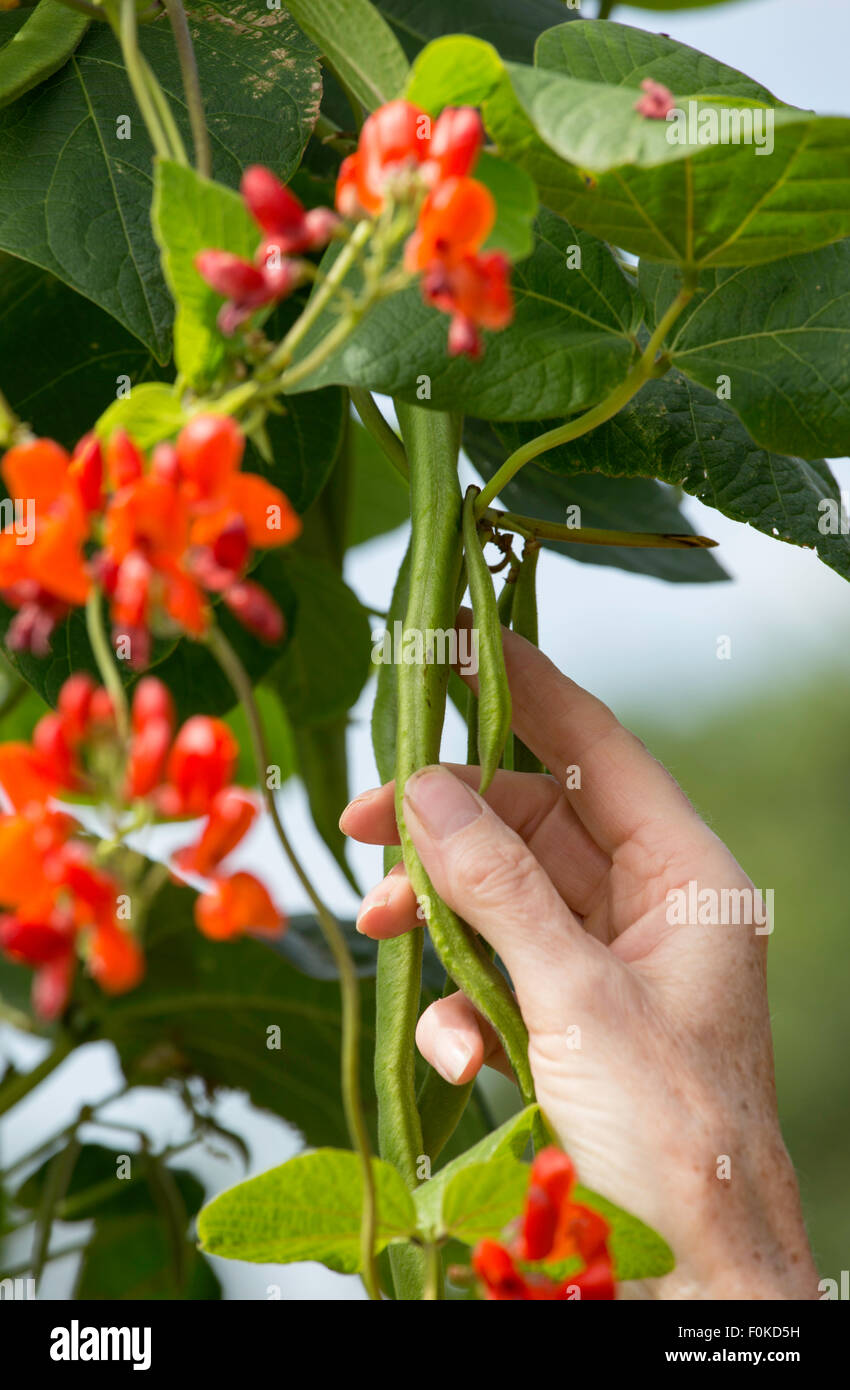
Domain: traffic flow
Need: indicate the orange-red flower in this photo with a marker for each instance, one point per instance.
(553, 1228)
(234, 905)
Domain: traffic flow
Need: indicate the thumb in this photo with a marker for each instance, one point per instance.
(489, 876)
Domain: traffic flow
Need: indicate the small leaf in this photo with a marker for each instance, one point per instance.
(307, 1209)
(150, 413)
(510, 1139)
(482, 1199)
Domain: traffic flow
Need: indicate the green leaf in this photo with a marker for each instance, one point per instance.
(307, 1209)
(621, 56)
(509, 1140)
(379, 500)
(192, 214)
(619, 504)
(90, 354)
(510, 26)
(132, 1260)
(45, 40)
(76, 197)
(173, 1025)
(457, 70)
(305, 444)
(358, 43)
(280, 737)
(483, 1198)
(516, 204)
(150, 413)
(639, 1252)
(571, 341)
(678, 431)
(640, 184)
(327, 661)
(323, 768)
(781, 333)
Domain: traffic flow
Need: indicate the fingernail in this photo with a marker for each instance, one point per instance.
(452, 1055)
(358, 801)
(441, 802)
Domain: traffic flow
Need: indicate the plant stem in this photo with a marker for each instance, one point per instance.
(385, 437)
(20, 1086)
(191, 86)
(169, 125)
(105, 661)
(137, 71)
(284, 352)
(433, 1273)
(551, 530)
(333, 934)
(644, 368)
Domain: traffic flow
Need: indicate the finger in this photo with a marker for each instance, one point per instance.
(610, 778)
(483, 870)
(457, 1041)
(389, 909)
(533, 806)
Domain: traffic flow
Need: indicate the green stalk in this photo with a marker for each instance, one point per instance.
(432, 441)
(138, 73)
(333, 934)
(18, 1087)
(645, 367)
(191, 86)
(385, 437)
(103, 655)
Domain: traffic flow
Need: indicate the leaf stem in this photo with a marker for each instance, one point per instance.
(385, 437)
(333, 934)
(191, 86)
(645, 368)
(138, 73)
(529, 526)
(105, 661)
(284, 352)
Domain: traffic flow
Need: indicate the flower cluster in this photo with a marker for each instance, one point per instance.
(62, 898)
(276, 270)
(400, 156)
(553, 1229)
(158, 536)
(657, 102)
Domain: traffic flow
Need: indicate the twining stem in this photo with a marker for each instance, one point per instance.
(138, 73)
(18, 1087)
(332, 932)
(385, 437)
(191, 86)
(105, 660)
(645, 368)
(530, 526)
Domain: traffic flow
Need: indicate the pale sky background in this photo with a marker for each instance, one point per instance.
(640, 644)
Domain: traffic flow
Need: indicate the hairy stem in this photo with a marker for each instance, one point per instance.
(333, 934)
(191, 86)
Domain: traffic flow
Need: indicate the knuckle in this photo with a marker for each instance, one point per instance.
(496, 870)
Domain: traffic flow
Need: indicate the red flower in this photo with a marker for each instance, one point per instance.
(393, 143)
(477, 294)
(456, 219)
(235, 905)
(553, 1228)
(282, 216)
(231, 814)
(455, 144)
(201, 763)
(115, 959)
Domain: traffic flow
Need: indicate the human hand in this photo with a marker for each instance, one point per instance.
(649, 1042)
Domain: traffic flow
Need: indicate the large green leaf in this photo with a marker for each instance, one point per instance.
(75, 199)
(510, 25)
(359, 44)
(483, 1198)
(571, 341)
(90, 354)
(679, 432)
(209, 1009)
(618, 504)
(781, 334)
(509, 1140)
(307, 1209)
(327, 662)
(609, 169)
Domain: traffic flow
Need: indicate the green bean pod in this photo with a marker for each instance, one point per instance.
(44, 42)
(494, 696)
(524, 617)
